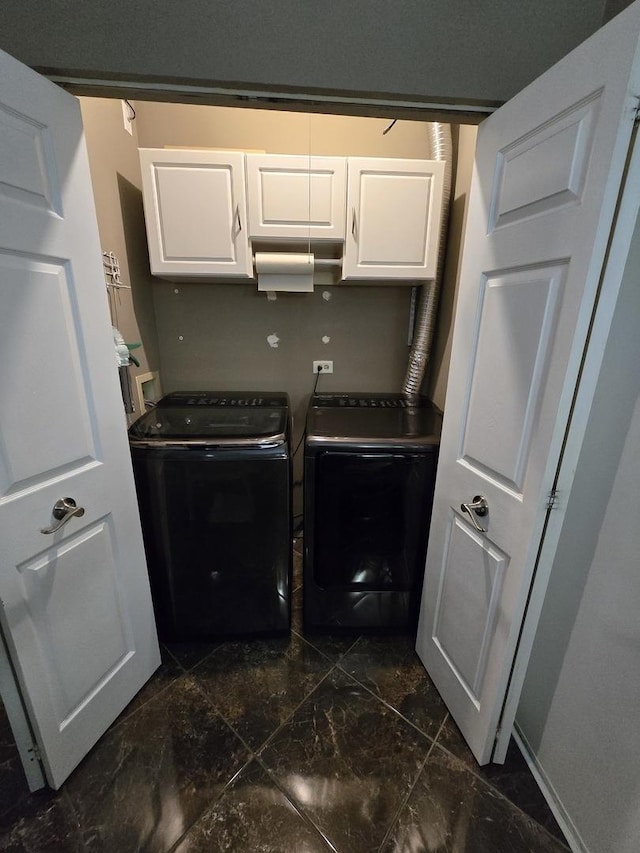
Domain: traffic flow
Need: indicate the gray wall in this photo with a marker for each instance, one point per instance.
(613, 7)
(581, 699)
(461, 50)
(381, 353)
(115, 177)
(206, 336)
(278, 132)
(215, 335)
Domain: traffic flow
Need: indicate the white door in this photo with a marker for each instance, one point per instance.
(195, 213)
(76, 611)
(548, 170)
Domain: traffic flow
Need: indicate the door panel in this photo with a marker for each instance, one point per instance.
(55, 589)
(205, 237)
(394, 210)
(27, 170)
(195, 213)
(547, 168)
(547, 173)
(402, 198)
(76, 611)
(475, 595)
(37, 304)
(295, 196)
(516, 321)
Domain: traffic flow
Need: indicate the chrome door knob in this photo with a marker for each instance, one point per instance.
(63, 510)
(478, 506)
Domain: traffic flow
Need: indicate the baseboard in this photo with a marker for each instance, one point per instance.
(565, 823)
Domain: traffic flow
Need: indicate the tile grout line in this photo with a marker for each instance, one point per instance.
(211, 805)
(206, 657)
(112, 728)
(493, 788)
(254, 755)
(292, 714)
(184, 671)
(434, 740)
(390, 706)
(406, 799)
(254, 752)
(76, 818)
(299, 810)
(310, 643)
(431, 740)
(117, 723)
(251, 754)
(213, 705)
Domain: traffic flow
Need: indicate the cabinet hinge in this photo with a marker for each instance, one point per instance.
(35, 753)
(552, 499)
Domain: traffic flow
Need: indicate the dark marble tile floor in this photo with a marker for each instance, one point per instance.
(303, 744)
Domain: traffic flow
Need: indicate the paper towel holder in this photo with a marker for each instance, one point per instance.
(291, 272)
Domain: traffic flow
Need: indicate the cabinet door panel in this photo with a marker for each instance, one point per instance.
(394, 210)
(195, 212)
(296, 197)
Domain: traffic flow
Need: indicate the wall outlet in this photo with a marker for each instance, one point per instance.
(323, 367)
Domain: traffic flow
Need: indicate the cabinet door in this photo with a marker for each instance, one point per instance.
(195, 210)
(296, 197)
(394, 209)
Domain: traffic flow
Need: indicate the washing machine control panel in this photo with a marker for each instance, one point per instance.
(228, 399)
(367, 401)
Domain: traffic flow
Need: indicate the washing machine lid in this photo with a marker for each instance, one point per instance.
(232, 420)
(362, 421)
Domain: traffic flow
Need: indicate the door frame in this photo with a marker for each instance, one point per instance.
(19, 720)
(402, 108)
(620, 238)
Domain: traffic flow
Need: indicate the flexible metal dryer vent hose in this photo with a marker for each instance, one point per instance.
(427, 304)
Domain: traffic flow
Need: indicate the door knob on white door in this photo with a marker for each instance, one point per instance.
(63, 511)
(480, 507)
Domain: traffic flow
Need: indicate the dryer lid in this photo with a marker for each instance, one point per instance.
(372, 420)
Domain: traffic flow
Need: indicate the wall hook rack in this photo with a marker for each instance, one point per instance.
(111, 266)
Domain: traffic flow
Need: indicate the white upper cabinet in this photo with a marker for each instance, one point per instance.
(296, 197)
(203, 210)
(195, 211)
(394, 209)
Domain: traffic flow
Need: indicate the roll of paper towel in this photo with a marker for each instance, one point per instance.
(286, 271)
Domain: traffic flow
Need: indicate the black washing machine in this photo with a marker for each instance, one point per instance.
(370, 465)
(213, 477)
